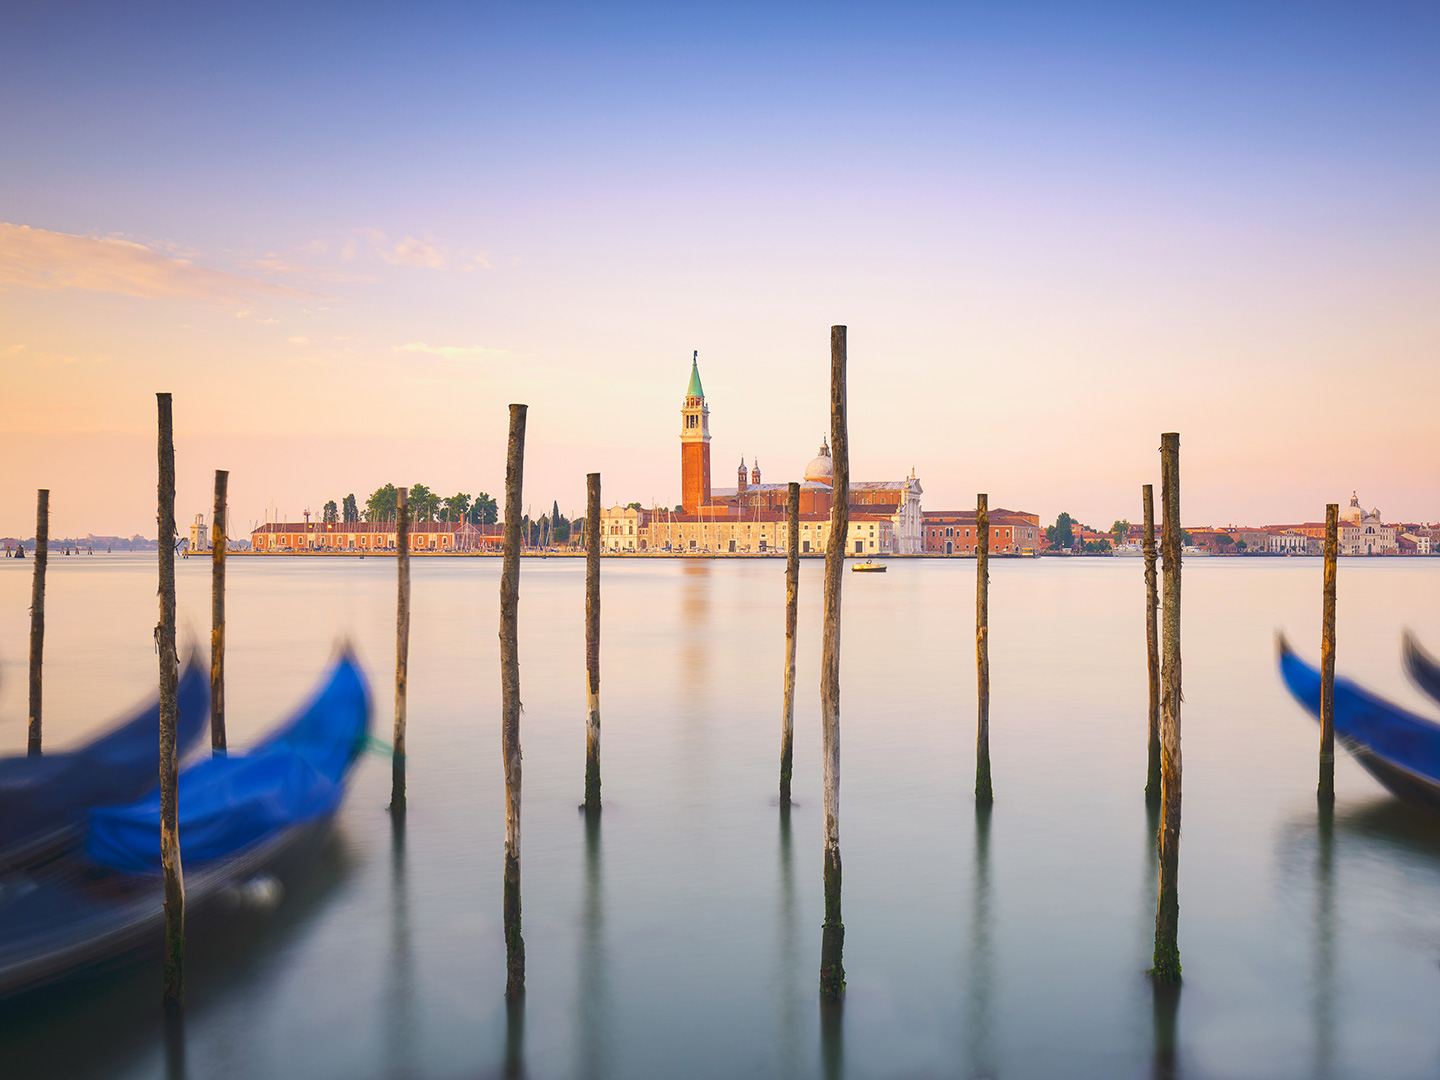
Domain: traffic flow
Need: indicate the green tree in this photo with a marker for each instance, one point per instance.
(679, 509)
(457, 507)
(1240, 545)
(484, 511)
(381, 505)
(1184, 538)
(633, 506)
(559, 525)
(348, 510)
(1119, 529)
(331, 513)
(424, 503)
(1223, 540)
(1062, 533)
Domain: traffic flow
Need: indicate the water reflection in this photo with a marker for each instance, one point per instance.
(514, 1063)
(1166, 1010)
(980, 1051)
(593, 988)
(832, 1039)
(695, 605)
(399, 1023)
(1324, 991)
(174, 1044)
(788, 952)
(695, 666)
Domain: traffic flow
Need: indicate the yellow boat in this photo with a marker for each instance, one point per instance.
(868, 567)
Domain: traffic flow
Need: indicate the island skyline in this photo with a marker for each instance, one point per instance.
(1050, 235)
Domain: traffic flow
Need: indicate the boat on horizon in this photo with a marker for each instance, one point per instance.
(247, 822)
(870, 567)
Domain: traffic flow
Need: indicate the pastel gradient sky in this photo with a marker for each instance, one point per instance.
(346, 237)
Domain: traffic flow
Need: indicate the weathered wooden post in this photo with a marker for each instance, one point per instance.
(1327, 659)
(37, 613)
(169, 714)
(592, 646)
(219, 525)
(792, 606)
(1152, 646)
(510, 700)
(984, 793)
(832, 943)
(402, 648)
(1167, 906)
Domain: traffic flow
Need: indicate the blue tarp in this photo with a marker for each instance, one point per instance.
(228, 803)
(1386, 730)
(43, 795)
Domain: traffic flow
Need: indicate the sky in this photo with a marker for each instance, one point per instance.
(347, 237)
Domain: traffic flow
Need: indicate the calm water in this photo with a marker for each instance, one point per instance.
(681, 937)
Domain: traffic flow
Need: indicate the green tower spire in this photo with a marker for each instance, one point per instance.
(696, 390)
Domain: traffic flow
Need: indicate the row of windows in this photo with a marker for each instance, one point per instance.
(950, 531)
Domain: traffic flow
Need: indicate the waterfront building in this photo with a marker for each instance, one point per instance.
(955, 532)
(440, 537)
(1290, 541)
(1414, 543)
(1362, 532)
(622, 528)
(762, 532)
(897, 500)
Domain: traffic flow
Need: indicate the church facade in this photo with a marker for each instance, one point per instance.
(894, 502)
(1361, 531)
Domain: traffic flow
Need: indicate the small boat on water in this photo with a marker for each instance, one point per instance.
(868, 567)
(45, 799)
(1397, 747)
(246, 821)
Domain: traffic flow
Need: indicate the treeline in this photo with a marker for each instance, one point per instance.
(426, 505)
(1062, 535)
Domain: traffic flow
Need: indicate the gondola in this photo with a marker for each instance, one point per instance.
(1398, 748)
(44, 799)
(1423, 669)
(247, 821)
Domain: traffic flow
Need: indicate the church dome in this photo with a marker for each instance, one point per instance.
(822, 469)
(1353, 512)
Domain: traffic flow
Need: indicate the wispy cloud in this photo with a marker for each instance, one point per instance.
(41, 259)
(273, 264)
(454, 352)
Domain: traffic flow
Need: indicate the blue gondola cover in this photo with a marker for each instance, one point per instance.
(48, 794)
(1361, 718)
(228, 803)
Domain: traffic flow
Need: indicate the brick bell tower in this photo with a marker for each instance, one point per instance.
(694, 443)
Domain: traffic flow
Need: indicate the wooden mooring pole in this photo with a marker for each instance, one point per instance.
(984, 792)
(169, 714)
(510, 698)
(592, 643)
(402, 648)
(832, 943)
(1167, 905)
(792, 604)
(37, 614)
(218, 527)
(1152, 646)
(1327, 659)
